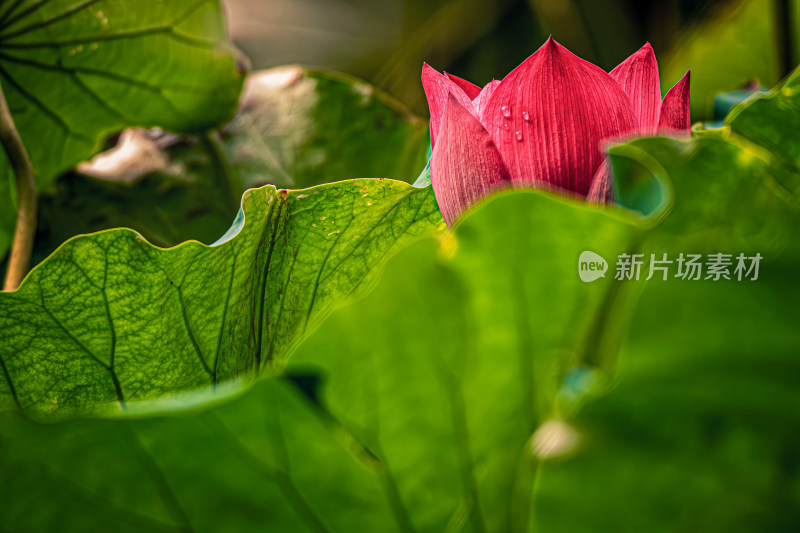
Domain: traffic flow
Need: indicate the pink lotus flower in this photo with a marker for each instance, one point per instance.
(543, 125)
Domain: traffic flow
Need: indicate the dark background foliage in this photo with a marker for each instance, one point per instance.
(386, 42)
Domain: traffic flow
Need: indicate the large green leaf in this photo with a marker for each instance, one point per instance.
(431, 404)
(75, 72)
(295, 128)
(431, 387)
(109, 318)
(699, 434)
(498, 315)
(494, 330)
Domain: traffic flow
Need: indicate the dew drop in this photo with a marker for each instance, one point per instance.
(506, 111)
(525, 116)
(518, 135)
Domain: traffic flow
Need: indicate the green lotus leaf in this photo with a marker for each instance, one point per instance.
(74, 73)
(109, 318)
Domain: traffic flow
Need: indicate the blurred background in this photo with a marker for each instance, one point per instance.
(726, 43)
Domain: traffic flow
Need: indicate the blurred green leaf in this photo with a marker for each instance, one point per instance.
(769, 120)
(498, 315)
(712, 189)
(110, 319)
(76, 72)
(698, 433)
(232, 467)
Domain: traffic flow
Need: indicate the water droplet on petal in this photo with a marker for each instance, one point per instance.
(506, 111)
(525, 116)
(518, 135)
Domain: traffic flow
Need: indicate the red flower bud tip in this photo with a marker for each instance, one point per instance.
(544, 124)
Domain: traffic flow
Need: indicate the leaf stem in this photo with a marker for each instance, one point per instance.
(223, 172)
(22, 247)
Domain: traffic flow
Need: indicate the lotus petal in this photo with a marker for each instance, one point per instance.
(602, 189)
(483, 98)
(469, 88)
(675, 111)
(437, 88)
(638, 78)
(465, 164)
